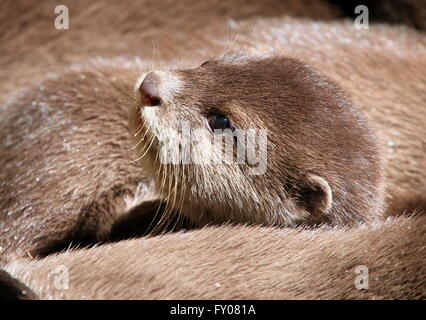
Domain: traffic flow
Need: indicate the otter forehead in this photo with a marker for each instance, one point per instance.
(263, 84)
(244, 72)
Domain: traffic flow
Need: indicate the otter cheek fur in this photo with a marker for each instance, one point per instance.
(323, 164)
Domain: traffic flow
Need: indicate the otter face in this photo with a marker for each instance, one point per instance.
(256, 139)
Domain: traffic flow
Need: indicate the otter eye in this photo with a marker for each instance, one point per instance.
(218, 122)
(205, 63)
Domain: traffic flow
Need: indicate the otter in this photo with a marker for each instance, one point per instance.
(339, 184)
(323, 160)
(72, 194)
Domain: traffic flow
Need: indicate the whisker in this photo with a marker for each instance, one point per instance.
(159, 227)
(229, 38)
(140, 140)
(138, 129)
(232, 42)
(178, 178)
(248, 35)
(165, 219)
(153, 56)
(147, 149)
(176, 175)
(157, 211)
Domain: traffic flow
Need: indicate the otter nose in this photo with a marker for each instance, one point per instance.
(150, 90)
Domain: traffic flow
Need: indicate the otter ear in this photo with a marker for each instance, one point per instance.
(316, 195)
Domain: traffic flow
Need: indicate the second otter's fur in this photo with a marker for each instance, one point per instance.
(381, 262)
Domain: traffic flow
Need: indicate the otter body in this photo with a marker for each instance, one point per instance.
(384, 262)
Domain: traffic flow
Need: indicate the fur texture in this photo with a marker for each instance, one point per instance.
(66, 176)
(246, 263)
(84, 159)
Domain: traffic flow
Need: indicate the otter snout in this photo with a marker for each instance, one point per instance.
(150, 90)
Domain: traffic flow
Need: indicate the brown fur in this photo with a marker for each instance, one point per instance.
(382, 68)
(78, 115)
(70, 142)
(130, 27)
(46, 228)
(243, 263)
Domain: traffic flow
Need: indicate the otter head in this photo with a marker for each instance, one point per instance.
(259, 140)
